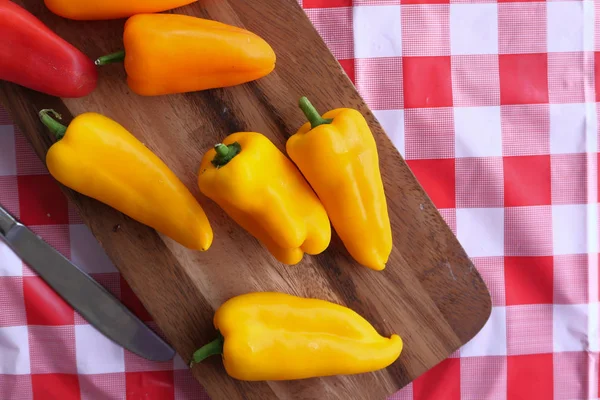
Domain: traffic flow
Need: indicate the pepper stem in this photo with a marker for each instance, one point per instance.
(57, 129)
(225, 153)
(222, 150)
(312, 114)
(210, 349)
(119, 56)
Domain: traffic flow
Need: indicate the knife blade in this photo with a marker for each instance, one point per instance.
(95, 304)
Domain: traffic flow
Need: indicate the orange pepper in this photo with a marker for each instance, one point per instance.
(109, 9)
(169, 53)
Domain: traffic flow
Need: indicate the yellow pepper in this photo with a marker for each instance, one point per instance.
(263, 191)
(99, 158)
(338, 156)
(276, 336)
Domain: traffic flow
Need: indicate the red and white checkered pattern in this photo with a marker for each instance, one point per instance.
(493, 105)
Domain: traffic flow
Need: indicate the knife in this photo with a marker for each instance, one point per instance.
(100, 308)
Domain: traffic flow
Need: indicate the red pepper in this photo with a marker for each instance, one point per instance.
(33, 56)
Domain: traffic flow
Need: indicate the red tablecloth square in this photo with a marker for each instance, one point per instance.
(43, 305)
(597, 73)
(348, 66)
(523, 78)
(326, 3)
(530, 377)
(529, 280)
(427, 386)
(41, 201)
(150, 385)
(427, 82)
(438, 179)
(356, 3)
(425, 1)
(55, 387)
(527, 181)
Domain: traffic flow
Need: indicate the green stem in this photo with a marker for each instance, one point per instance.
(210, 349)
(57, 129)
(225, 153)
(312, 114)
(222, 150)
(119, 56)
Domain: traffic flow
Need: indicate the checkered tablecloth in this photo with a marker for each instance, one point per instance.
(493, 105)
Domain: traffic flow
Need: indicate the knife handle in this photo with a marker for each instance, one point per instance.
(6, 221)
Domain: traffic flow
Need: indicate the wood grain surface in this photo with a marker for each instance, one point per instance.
(430, 293)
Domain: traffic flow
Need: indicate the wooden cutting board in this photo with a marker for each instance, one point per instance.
(430, 293)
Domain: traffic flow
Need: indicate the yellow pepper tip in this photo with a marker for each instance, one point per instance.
(376, 267)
